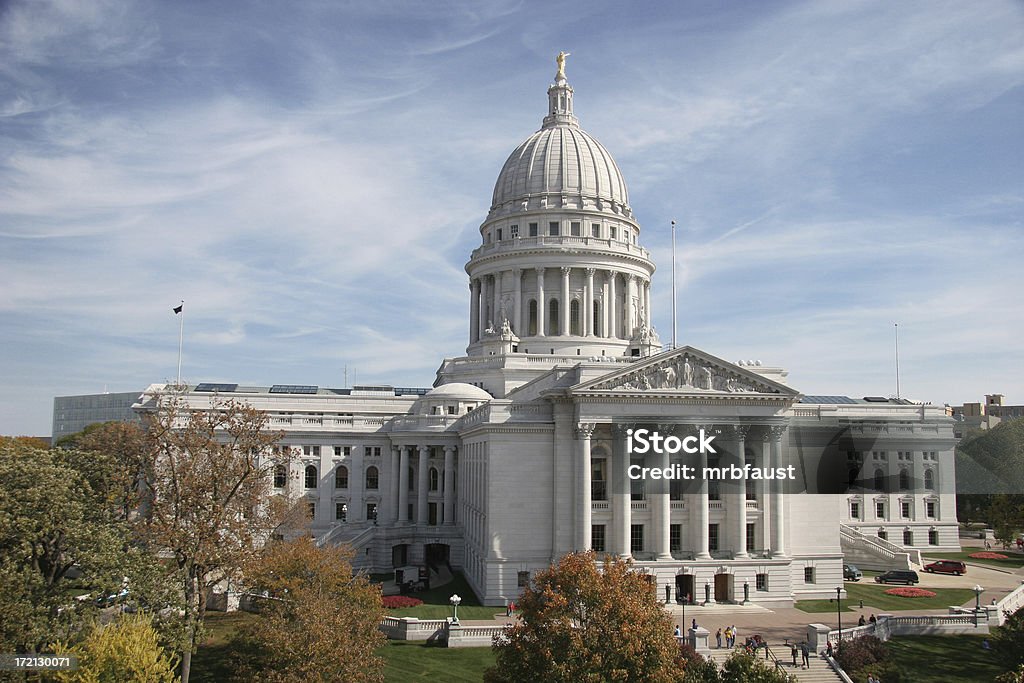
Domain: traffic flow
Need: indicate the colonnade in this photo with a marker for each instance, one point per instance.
(400, 459)
(492, 296)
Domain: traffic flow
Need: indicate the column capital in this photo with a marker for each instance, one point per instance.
(566, 270)
(668, 428)
(516, 272)
(590, 272)
(540, 270)
(448, 449)
(739, 431)
(584, 430)
(423, 448)
(775, 432)
(630, 277)
(619, 430)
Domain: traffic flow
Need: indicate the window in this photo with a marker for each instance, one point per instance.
(432, 479)
(880, 509)
(371, 451)
(533, 229)
(310, 477)
(714, 485)
(595, 325)
(904, 479)
(882, 534)
(522, 579)
(613, 232)
(341, 477)
(499, 234)
(310, 510)
(879, 480)
(341, 512)
(636, 486)
(532, 325)
(751, 537)
(412, 479)
(933, 537)
(574, 317)
(598, 479)
(432, 514)
(929, 509)
(854, 509)
(574, 228)
(808, 574)
(905, 509)
(553, 228)
(929, 479)
(311, 450)
(595, 229)
(636, 538)
(553, 317)
(597, 542)
(372, 478)
(513, 231)
(712, 537)
(761, 582)
(371, 512)
(280, 476)
(342, 450)
(453, 410)
(908, 537)
(675, 538)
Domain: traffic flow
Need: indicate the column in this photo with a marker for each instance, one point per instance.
(517, 301)
(630, 323)
(702, 511)
(356, 485)
(740, 499)
(542, 308)
(403, 486)
(563, 306)
(647, 303)
(481, 316)
(396, 463)
(449, 485)
(660, 503)
(764, 495)
(621, 499)
(778, 522)
(605, 305)
(583, 432)
(613, 307)
(588, 305)
(421, 485)
(496, 315)
(474, 310)
(325, 486)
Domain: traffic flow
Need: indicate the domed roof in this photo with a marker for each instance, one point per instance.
(560, 160)
(459, 390)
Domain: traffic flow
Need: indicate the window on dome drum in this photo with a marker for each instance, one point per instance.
(513, 231)
(310, 477)
(372, 478)
(713, 537)
(574, 317)
(341, 477)
(595, 229)
(613, 232)
(808, 574)
(533, 229)
(904, 480)
(574, 228)
(594, 326)
(636, 538)
(598, 479)
(532, 325)
(597, 542)
(499, 235)
(433, 479)
(553, 228)
(675, 538)
(280, 477)
(341, 512)
(908, 537)
(933, 537)
(553, 318)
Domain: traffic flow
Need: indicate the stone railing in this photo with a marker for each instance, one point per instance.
(880, 546)
(889, 626)
(336, 536)
(1010, 604)
(459, 635)
(440, 630)
(561, 241)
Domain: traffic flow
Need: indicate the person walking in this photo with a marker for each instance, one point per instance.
(805, 651)
(734, 634)
(678, 633)
(728, 636)
(718, 637)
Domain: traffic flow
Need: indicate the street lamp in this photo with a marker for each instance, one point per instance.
(455, 600)
(978, 590)
(839, 615)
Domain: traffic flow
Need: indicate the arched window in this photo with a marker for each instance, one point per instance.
(595, 325)
(553, 318)
(904, 479)
(311, 476)
(532, 327)
(929, 480)
(574, 317)
(879, 480)
(280, 477)
(372, 478)
(341, 477)
(433, 478)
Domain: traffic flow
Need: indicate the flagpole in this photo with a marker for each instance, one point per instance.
(897, 326)
(674, 344)
(181, 334)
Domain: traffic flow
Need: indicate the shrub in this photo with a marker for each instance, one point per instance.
(985, 555)
(857, 654)
(399, 601)
(910, 592)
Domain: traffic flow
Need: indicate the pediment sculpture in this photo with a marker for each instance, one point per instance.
(687, 372)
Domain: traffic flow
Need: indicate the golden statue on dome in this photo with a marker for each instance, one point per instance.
(560, 60)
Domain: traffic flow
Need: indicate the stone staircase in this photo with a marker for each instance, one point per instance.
(870, 552)
(819, 671)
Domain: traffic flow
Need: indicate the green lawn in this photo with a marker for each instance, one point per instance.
(211, 663)
(873, 595)
(408, 661)
(1015, 560)
(436, 606)
(816, 606)
(944, 659)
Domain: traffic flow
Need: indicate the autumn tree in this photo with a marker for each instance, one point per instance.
(112, 456)
(207, 473)
(127, 649)
(579, 622)
(318, 622)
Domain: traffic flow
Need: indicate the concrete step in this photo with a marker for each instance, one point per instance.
(819, 671)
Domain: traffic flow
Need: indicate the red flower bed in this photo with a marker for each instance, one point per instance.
(988, 556)
(910, 592)
(397, 601)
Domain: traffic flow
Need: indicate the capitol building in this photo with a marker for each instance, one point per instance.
(519, 453)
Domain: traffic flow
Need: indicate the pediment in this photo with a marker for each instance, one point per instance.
(686, 370)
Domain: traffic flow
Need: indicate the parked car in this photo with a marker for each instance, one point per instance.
(851, 573)
(898, 576)
(946, 567)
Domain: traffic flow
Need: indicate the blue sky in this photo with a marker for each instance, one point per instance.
(310, 177)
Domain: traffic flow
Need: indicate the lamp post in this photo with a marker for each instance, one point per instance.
(839, 615)
(455, 600)
(978, 590)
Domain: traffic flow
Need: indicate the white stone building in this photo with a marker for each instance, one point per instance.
(518, 454)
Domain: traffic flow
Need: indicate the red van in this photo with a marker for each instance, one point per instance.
(946, 567)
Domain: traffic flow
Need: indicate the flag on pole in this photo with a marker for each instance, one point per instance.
(177, 309)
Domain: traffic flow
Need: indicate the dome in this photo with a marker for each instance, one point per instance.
(459, 390)
(561, 160)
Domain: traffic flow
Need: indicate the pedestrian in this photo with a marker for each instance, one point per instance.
(873, 619)
(508, 609)
(828, 649)
(678, 633)
(861, 621)
(872, 679)
(512, 608)
(718, 637)
(693, 624)
(793, 649)
(728, 637)
(805, 650)
(734, 634)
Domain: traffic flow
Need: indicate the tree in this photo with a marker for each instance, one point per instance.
(318, 622)
(581, 623)
(1006, 515)
(113, 459)
(127, 649)
(207, 474)
(1008, 640)
(742, 667)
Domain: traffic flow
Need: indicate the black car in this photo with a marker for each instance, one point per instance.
(898, 576)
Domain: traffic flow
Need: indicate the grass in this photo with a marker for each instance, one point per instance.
(873, 594)
(436, 606)
(1015, 560)
(944, 659)
(409, 661)
(818, 606)
(211, 662)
